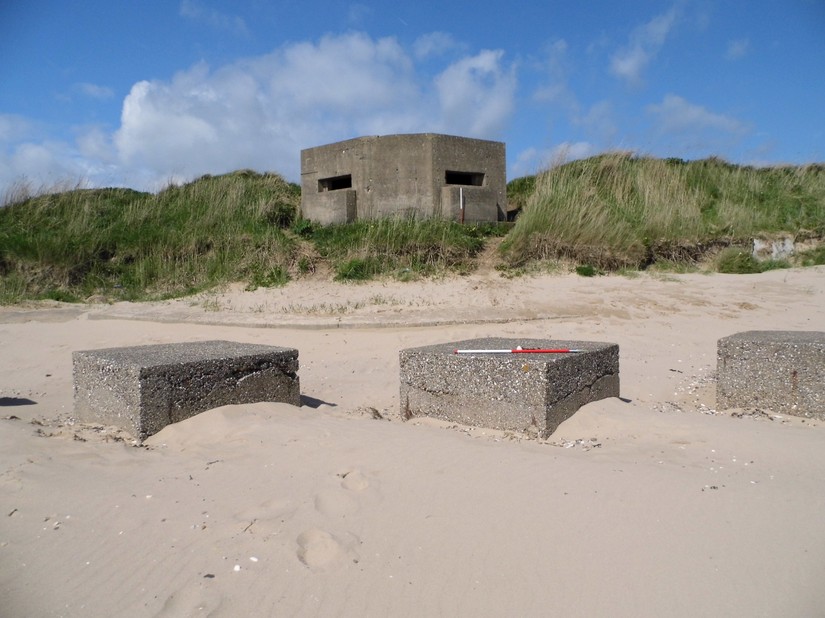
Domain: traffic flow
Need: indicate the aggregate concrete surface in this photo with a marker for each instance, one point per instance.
(782, 371)
(519, 391)
(142, 389)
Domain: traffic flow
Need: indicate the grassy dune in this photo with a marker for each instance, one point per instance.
(616, 210)
(242, 226)
(607, 212)
(131, 245)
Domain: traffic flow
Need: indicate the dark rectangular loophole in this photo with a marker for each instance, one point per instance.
(474, 179)
(335, 183)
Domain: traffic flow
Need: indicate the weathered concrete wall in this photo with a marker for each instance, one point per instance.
(780, 371)
(459, 154)
(479, 204)
(336, 207)
(779, 247)
(142, 389)
(403, 175)
(507, 391)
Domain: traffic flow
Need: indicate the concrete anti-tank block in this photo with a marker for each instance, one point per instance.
(507, 391)
(142, 389)
(781, 371)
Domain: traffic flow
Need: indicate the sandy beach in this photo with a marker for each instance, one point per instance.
(653, 504)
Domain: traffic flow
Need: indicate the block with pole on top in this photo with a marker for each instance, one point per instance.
(508, 384)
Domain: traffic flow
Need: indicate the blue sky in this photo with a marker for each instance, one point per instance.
(141, 93)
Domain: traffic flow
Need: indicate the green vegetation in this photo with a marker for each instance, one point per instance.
(361, 250)
(616, 210)
(129, 245)
(519, 192)
(812, 257)
(740, 261)
(586, 270)
(612, 212)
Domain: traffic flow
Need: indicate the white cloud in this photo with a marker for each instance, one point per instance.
(629, 62)
(570, 151)
(599, 121)
(13, 128)
(694, 129)
(348, 74)
(532, 160)
(675, 114)
(737, 49)
(95, 144)
(528, 162)
(40, 165)
(476, 95)
(556, 89)
(357, 14)
(260, 112)
(196, 11)
(94, 91)
(26, 159)
(433, 44)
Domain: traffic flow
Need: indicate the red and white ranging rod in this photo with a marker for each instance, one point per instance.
(520, 350)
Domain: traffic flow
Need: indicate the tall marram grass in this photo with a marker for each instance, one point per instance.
(133, 245)
(606, 212)
(407, 246)
(124, 244)
(618, 210)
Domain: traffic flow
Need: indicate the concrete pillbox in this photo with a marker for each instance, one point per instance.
(781, 371)
(144, 388)
(507, 391)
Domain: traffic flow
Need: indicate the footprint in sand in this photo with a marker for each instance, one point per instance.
(354, 480)
(267, 517)
(318, 548)
(335, 503)
(192, 600)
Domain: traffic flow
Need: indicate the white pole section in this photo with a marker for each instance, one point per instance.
(521, 351)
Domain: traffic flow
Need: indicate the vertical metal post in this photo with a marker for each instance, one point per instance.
(461, 202)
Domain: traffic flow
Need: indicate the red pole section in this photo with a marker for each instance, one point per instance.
(522, 351)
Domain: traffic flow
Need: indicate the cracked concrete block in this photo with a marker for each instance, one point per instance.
(507, 391)
(144, 388)
(780, 371)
